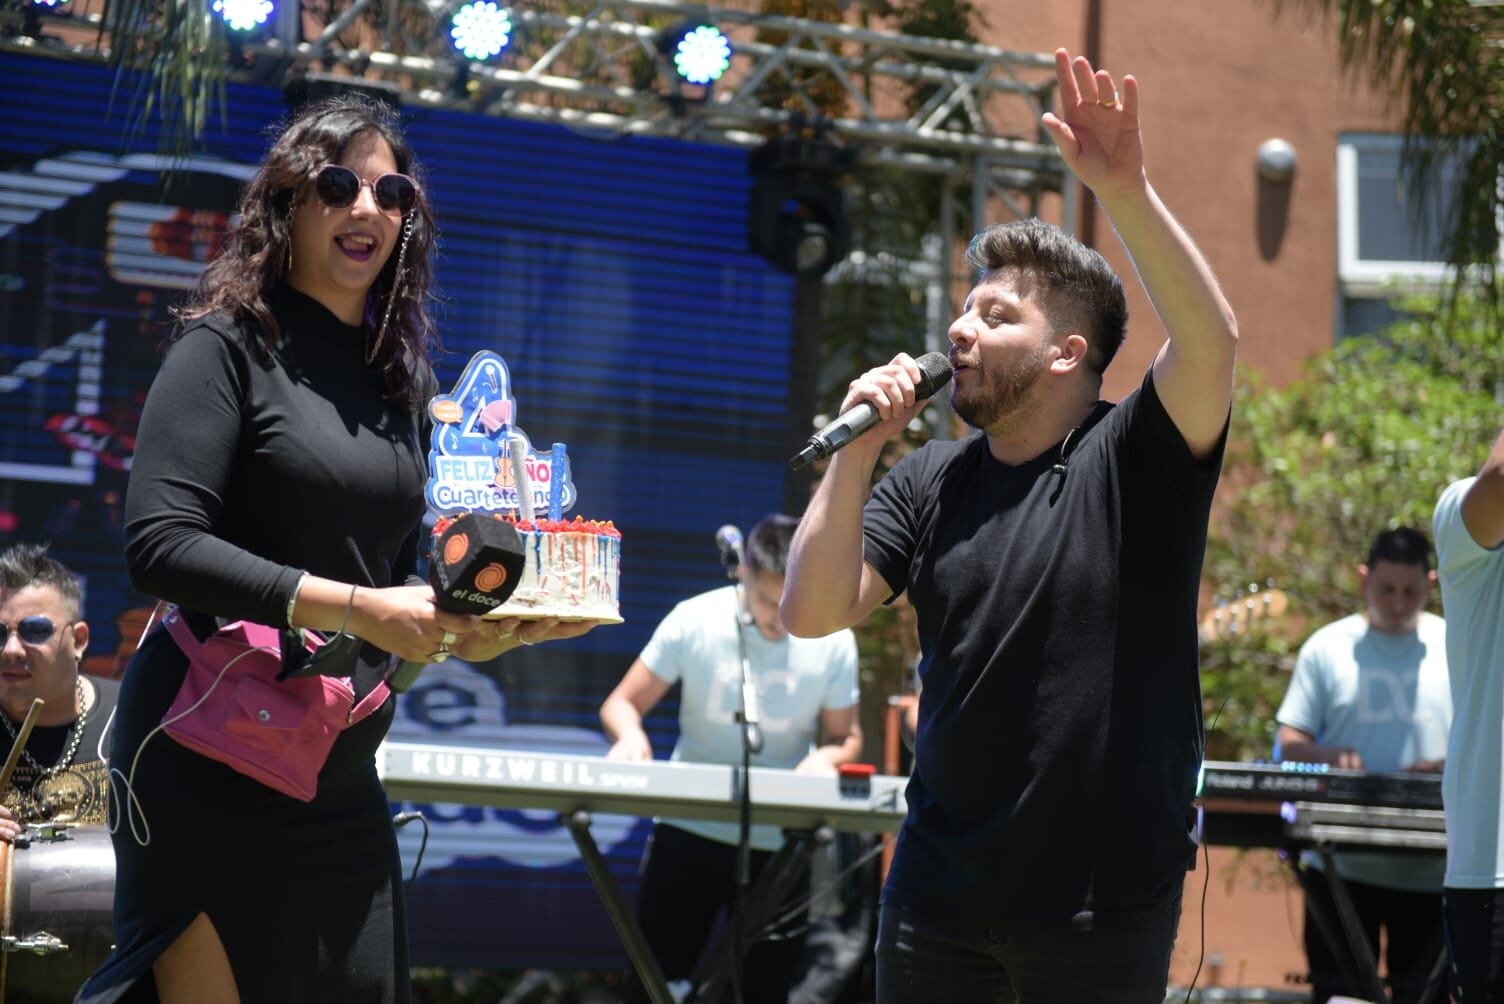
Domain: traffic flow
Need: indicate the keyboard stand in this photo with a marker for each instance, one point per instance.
(1345, 930)
(764, 898)
(648, 971)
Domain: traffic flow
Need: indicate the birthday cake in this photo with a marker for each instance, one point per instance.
(571, 570)
(480, 463)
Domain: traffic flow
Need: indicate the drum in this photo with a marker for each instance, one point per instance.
(57, 890)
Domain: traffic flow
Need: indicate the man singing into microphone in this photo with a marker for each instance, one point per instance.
(1052, 560)
(806, 702)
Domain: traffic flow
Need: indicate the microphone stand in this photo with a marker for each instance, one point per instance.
(751, 733)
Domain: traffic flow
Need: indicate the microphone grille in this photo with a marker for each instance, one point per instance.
(935, 370)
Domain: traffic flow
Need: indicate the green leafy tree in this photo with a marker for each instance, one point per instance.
(1365, 440)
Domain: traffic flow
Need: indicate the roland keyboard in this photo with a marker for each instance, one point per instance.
(1303, 782)
(1305, 805)
(527, 779)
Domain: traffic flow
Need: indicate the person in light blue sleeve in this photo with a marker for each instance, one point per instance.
(1370, 692)
(807, 694)
(1469, 529)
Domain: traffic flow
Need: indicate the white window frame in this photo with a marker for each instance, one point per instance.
(1371, 277)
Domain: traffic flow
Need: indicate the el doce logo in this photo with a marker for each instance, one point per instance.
(490, 578)
(455, 548)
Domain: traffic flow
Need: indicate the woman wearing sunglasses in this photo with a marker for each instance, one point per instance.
(278, 479)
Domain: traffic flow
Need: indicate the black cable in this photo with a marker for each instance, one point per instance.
(1206, 879)
(769, 932)
(400, 820)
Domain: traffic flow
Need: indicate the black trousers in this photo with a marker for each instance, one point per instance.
(931, 957)
(1412, 923)
(687, 881)
(1475, 942)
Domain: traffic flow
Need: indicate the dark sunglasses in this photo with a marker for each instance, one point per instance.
(338, 187)
(34, 630)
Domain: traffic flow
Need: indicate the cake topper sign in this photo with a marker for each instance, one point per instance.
(471, 467)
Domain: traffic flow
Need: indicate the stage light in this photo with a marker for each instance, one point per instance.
(48, 3)
(796, 212)
(243, 15)
(481, 29)
(701, 54)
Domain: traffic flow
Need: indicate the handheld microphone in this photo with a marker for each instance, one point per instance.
(473, 566)
(729, 539)
(934, 369)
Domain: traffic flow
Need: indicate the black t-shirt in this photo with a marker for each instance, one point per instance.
(78, 788)
(1060, 718)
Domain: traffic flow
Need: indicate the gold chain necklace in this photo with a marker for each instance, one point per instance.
(76, 736)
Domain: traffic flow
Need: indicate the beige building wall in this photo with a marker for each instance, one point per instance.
(1217, 79)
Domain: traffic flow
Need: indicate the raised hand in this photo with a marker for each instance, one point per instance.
(1098, 130)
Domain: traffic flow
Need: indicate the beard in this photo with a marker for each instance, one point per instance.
(994, 405)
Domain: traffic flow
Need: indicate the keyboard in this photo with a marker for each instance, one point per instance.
(1291, 782)
(1303, 805)
(528, 779)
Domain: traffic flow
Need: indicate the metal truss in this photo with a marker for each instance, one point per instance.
(967, 113)
(599, 66)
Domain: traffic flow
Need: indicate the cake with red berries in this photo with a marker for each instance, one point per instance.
(571, 570)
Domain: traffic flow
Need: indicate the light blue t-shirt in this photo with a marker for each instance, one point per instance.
(1472, 593)
(1386, 696)
(795, 678)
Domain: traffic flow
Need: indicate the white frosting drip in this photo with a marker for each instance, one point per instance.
(567, 574)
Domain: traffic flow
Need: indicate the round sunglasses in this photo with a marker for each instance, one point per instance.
(338, 186)
(34, 630)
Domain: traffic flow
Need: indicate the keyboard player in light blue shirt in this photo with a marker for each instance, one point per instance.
(1370, 692)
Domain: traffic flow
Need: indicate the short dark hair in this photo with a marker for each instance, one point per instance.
(768, 544)
(23, 565)
(1403, 546)
(1080, 288)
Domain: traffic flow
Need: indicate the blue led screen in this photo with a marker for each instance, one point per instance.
(612, 275)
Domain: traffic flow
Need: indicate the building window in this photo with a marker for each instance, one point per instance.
(1383, 246)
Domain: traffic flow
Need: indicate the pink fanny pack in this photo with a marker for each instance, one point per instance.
(232, 708)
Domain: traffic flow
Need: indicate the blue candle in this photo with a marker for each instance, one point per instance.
(556, 483)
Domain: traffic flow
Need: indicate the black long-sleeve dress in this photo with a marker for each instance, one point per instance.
(251, 467)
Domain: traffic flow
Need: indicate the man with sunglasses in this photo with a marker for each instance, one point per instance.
(59, 773)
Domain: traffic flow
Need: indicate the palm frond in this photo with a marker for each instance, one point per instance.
(172, 60)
